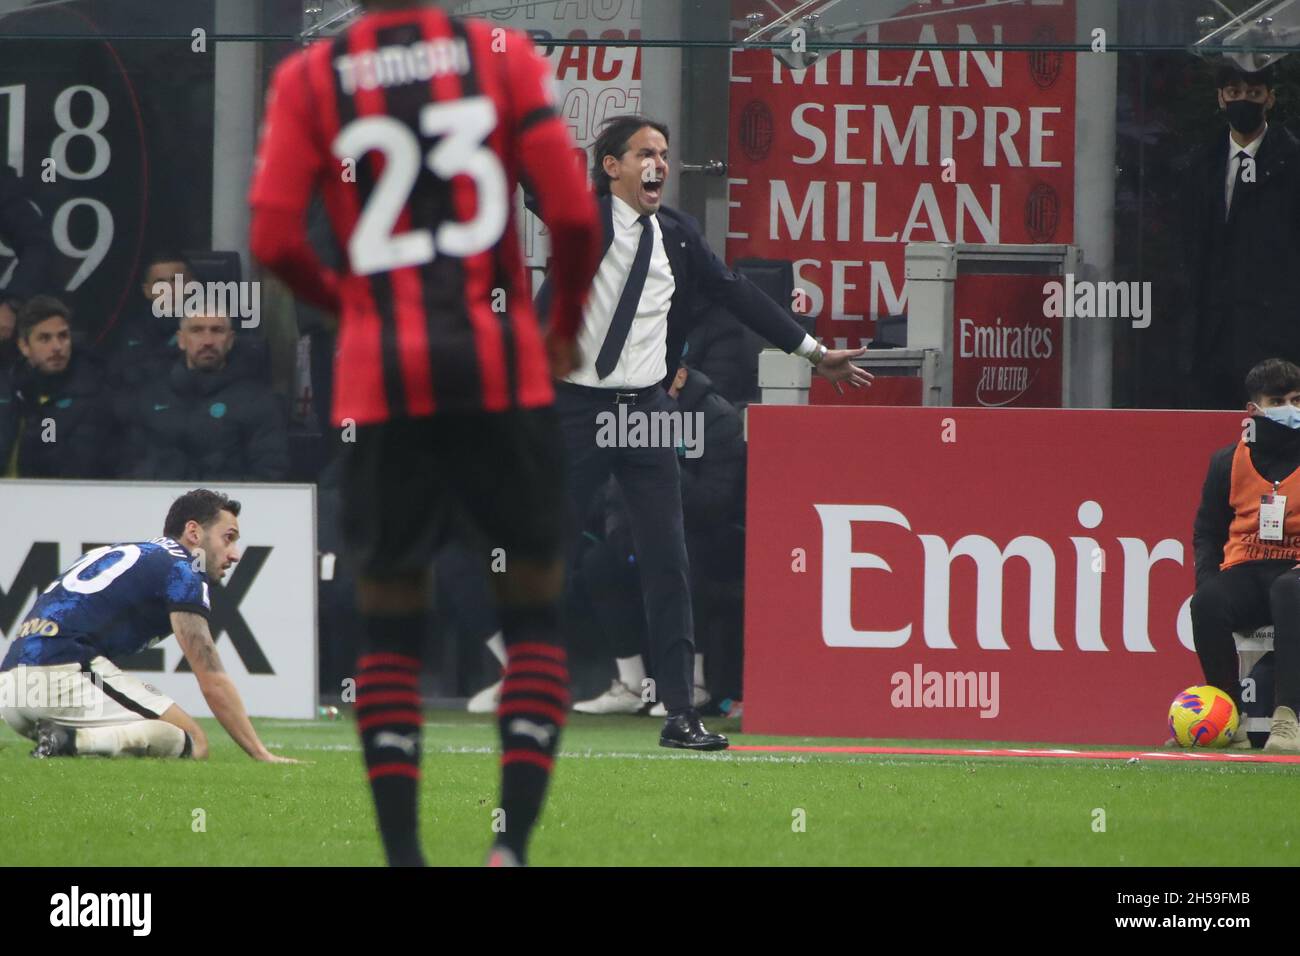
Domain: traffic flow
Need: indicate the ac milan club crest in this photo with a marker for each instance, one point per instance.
(1042, 213)
(1045, 65)
(756, 131)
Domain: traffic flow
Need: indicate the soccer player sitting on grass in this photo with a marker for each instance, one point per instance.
(1247, 541)
(59, 683)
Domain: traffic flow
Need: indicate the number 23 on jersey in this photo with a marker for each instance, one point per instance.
(462, 128)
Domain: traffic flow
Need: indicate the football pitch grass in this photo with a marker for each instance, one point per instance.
(619, 799)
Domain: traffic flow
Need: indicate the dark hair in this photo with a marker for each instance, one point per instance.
(167, 254)
(1230, 74)
(36, 310)
(199, 505)
(1272, 378)
(612, 141)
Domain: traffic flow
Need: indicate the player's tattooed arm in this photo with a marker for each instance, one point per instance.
(218, 689)
(196, 642)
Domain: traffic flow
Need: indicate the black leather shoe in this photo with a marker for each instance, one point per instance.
(686, 732)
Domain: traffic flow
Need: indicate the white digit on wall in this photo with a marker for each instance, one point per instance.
(91, 256)
(17, 123)
(98, 119)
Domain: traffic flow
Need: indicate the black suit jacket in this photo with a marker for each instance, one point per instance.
(1244, 272)
(700, 275)
(26, 231)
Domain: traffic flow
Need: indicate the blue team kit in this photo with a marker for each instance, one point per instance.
(113, 602)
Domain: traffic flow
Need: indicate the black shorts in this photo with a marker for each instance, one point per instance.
(491, 479)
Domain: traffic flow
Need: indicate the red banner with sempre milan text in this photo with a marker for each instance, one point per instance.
(839, 165)
(967, 573)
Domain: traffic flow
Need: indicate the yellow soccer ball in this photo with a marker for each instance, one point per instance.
(1203, 717)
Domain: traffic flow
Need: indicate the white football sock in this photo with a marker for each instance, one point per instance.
(144, 738)
(699, 670)
(631, 671)
(497, 645)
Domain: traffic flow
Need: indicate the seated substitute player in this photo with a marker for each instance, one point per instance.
(59, 683)
(441, 366)
(1247, 541)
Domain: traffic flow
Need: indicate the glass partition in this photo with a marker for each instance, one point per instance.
(829, 135)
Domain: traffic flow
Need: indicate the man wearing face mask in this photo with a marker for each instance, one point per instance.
(1247, 543)
(1244, 236)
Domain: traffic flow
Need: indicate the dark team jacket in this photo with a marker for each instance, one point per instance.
(72, 407)
(713, 485)
(720, 347)
(1275, 454)
(139, 349)
(698, 275)
(143, 346)
(191, 425)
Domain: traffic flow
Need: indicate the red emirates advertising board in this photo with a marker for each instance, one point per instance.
(837, 167)
(966, 573)
(1005, 352)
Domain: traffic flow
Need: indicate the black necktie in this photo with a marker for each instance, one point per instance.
(1241, 158)
(612, 347)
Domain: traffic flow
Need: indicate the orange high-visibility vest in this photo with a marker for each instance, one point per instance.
(1244, 494)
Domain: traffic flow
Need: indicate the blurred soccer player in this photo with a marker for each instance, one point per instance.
(60, 684)
(416, 128)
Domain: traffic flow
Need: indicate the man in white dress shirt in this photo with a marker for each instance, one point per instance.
(656, 263)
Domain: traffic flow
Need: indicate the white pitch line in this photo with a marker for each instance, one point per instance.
(572, 754)
(333, 724)
(724, 756)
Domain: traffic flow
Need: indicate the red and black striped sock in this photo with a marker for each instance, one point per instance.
(534, 702)
(388, 718)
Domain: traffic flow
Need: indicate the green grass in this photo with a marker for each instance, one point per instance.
(619, 799)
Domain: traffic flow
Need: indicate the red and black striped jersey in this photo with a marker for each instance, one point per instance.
(415, 129)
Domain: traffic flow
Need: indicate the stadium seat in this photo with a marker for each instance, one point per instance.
(215, 265)
(1251, 646)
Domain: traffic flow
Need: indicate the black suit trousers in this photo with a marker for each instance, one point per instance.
(651, 484)
(1243, 598)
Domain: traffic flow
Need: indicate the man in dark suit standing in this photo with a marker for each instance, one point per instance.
(655, 269)
(1244, 242)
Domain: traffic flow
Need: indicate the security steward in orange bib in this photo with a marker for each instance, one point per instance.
(1247, 541)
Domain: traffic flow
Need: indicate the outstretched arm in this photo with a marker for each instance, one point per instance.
(219, 691)
(752, 307)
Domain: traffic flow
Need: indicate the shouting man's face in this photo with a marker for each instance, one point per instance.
(638, 176)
